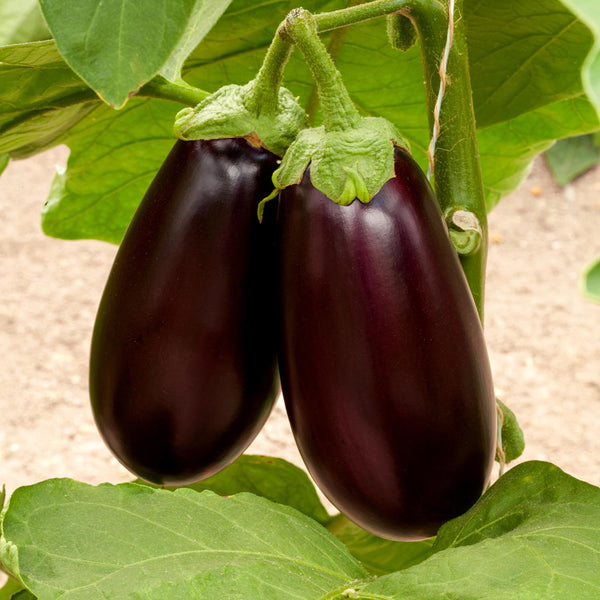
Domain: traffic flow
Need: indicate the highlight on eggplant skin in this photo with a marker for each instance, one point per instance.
(383, 363)
(183, 363)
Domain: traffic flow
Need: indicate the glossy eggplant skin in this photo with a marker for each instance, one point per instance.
(382, 358)
(183, 359)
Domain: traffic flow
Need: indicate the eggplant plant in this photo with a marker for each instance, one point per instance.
(259, 223)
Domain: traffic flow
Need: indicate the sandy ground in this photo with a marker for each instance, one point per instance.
(544, 339)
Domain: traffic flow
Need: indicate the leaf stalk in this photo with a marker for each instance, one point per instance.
(159, 87)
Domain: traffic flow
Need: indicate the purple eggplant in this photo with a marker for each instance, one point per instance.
(383, 362)
(183, 361)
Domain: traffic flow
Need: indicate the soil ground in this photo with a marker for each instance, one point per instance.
(543, 337)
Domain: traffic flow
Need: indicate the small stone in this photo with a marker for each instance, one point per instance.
(536, 190)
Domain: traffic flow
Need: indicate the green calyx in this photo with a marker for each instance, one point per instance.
(349, 156)
(344, 164)
(233, 112)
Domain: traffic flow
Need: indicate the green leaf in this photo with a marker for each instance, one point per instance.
(518, 66)
(114, 157)
(269, 477)
(11, 589)
(21, 21)
(591, 281)
(204, 15)
(23, 595)
(507, 150)
(513, 441)
(4, 160)
(535, 534)
(571, 157)
(588, 12)
(74, 541)
(116, 46)
(40, 98)
(378, 555)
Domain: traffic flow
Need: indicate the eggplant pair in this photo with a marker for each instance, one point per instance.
(383, 363)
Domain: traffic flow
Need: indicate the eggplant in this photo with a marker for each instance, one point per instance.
(183, 357)
(382, 357)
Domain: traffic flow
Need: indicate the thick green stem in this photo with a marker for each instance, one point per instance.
(159, 87)
(339, 112)
(363, 12)
(457, 172)
(266, 84)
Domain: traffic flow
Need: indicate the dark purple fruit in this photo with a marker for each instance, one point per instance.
(183, 366)
(383, 362)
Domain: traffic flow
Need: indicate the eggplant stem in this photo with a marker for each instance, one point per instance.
(339, 112)
(264, 98)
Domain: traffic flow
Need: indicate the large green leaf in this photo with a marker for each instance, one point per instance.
(588, 12)
(40, 98)
(113, 159)
(116, 46)
(508, 149)
(514, 47)
(535, 534)
(72, 541)
(204, 15)
(21, 21)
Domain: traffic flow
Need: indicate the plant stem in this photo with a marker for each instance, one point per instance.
(335, 47)
(457, 173)
(181, 92)
(339, 112)
(363, 12)
(266, 84)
